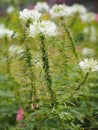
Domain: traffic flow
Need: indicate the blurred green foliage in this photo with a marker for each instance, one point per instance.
(18, 2)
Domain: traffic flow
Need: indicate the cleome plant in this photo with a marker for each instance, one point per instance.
(49, 68)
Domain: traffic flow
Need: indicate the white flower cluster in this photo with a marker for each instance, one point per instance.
(79, 8)
(42, 7)
(87, 17)
(84, 14)
(2, 26)
(87, 52)
(91, 31)
(89, 65)
(29, 15)
(44, 27)
(93, 36)
(38, 25)
(10, 9)
(5, 32)
(60, 11)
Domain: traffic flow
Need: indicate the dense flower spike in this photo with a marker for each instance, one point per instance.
(42, 7)
(26, 15)
(44, 27)
(89, 65)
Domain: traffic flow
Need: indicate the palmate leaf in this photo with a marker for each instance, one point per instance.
(7, 110)
(7, 86)
(7, 83)
(8, 101)
(78, 115)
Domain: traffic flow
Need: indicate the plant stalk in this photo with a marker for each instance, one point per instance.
(8, 61)
(70, 38)
(73, 20)
(84, 80)
(30, 73)
(46, 70)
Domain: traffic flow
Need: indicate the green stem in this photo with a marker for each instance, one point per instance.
(70, 38)
(73, 20)
(14, 4)
(46, 71)
(84, 80)
(8, 62)
(61, 122)
(30, 73)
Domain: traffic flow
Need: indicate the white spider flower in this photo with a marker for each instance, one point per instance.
(34, 29)
(60, 11)
(93, 37)
(6, 33)
(91, 31)
(2, 26)
(10, 9)
(44, 27)
(79, 8)
(89, 65)
(87, 51)
(86, 30)
(29, 15)
(48, 28)
(42, 7)
(87, 17)
(69, 10)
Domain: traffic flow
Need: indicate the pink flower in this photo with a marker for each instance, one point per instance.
(78, 48)
(19, 115)
(96, 17)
